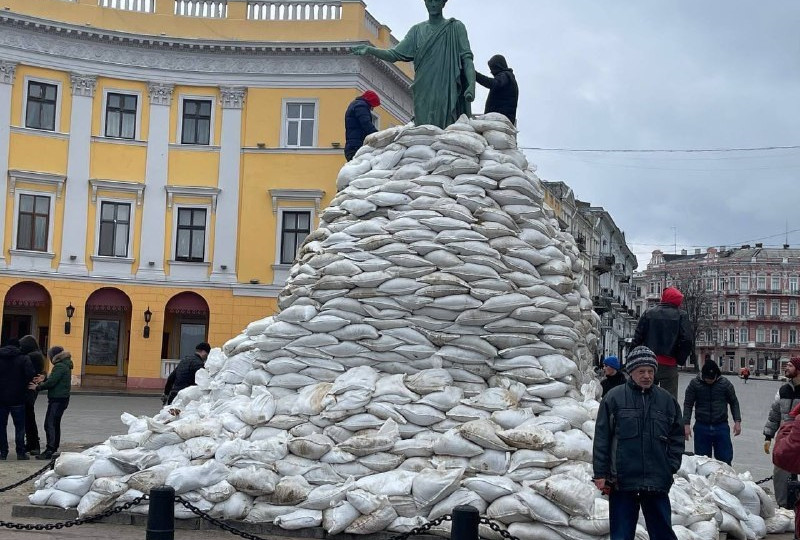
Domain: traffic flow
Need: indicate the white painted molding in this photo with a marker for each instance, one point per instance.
(40, 132)
(114, 140)
(233, 96)
(32, 177)
(160, 93)
(83, 85)
(118, 185)
(193, 191)
(314, 195)
(8, 71)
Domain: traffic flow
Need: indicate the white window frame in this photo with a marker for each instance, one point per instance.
(744, 283)
(792, 336)
(279, 226)
(744, 308)
(744, 335)
(59, 96)
(285, 102)
(202, 97)
(732, 335)
(793, 284)
(138, 132)
(772, 339)
(721, 308)
(773, 281)
(732, 307)
(173, 248)
(761, 308)
(50, 222)
(773, 312)
(761, 335)
(793, 308)
(131, 226)
(759, 280)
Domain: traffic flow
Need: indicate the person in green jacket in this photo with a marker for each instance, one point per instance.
(58, 385)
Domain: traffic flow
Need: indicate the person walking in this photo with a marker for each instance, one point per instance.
(745, 374)
(17, 374)
(787, 398)
(58, 385)
(183, 376)
(665, 329)
(28, 345)
(613, 376)
(358, 122)
(709, 395)
(503, 88)
(638, 445)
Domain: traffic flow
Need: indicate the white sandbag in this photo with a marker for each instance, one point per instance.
(525, 458)
(103, 468)
(262, 512)
(431, 485)
(323, 497)
(76, 485)
(598, 524)
(339, 517)
(490, 488)
(729, 503)
(574, 496)
(253, 481)
(54, 497)
(190, 478)
(491, 462)
(299, 519)
(573, 444)
(219, 492)
(103, 494)
(389, 483)
(541, 509)
(733, 526)
(508, 509)
(377, 521)
(73, 464)
(528, 437)
(533, 531)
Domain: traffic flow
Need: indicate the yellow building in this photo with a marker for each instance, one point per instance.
(163, 160)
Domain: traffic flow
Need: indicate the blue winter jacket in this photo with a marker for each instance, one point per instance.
(357, 124)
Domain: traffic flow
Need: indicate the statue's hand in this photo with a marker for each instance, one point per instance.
(359, 50)
(469, 95)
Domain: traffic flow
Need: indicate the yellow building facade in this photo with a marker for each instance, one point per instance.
(163, 160)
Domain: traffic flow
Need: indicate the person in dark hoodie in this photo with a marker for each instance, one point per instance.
(503, 88)
(710, 394)
(665, 329)
(183, 375)
(358, 122)
(613, 375)
(28, 345)
(58, 385)
(17, 373)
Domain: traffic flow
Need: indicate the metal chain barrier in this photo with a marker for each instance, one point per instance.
(74, 522)
(764, 481)
(422, 529)
(214, 521)
(31, 477)
(497, 528)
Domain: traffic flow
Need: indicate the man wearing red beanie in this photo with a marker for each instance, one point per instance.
(665, 330)
(358, 122)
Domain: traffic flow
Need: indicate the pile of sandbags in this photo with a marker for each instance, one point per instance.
(433, 348)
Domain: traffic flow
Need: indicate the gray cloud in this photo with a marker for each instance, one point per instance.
(652, 74)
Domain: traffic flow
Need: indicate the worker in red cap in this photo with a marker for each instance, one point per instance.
(358, 122)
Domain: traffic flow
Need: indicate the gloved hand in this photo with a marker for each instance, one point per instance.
(164, 399)
(767, 444)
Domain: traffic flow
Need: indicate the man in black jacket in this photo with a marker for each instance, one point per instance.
(358, 122)
(638, 444)
(503, 88)
(666, 330)
(183, 375)
(710, 394)
(29, 346)
(17, 373)
(613, 376)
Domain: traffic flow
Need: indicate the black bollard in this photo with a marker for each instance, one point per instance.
(161, 514)
(465, 523)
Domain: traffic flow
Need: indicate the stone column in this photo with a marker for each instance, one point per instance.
(7, 72)
(76, 199)
(227, 218)
(151, 252)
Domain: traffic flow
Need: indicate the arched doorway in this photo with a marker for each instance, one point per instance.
(106, 338)
(186, 318)
(26, 310)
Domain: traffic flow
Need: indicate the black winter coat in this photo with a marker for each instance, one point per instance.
(710, 401)
(357, 124)
(17, 371)
(615, 380)
(29, 346)
(788, 397)
(503, 89)
(666, 331)
(638, 438)
(184, 374)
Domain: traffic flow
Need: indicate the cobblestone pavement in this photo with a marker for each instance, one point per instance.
(90, 419)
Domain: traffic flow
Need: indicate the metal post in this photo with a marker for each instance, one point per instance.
(161, 514)
(465, 523)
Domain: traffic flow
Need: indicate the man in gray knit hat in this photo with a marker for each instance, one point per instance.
(638, 444)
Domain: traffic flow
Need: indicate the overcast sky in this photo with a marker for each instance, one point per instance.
(647, 74)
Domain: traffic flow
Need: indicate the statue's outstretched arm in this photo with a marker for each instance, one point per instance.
(383, 54)
(469, 74)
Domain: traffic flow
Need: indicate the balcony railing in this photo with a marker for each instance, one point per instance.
(307, 10)
(168, 365)
(211, 9)
(139, 6)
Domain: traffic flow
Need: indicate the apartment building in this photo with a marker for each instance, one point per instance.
(163, 160)
(750, 298)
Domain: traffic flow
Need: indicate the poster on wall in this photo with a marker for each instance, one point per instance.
(102, 347)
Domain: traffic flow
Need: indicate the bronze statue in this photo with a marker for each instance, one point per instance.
(444, 81)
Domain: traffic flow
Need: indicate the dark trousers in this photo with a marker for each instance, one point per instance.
(713, 438)
(667, 378)
(52, 422)
(624, 514)
(31, 429)
(349, 153)
(17, 413)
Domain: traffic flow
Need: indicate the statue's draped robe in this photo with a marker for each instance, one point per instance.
(438, 53)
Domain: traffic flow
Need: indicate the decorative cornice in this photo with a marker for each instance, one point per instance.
(232, 96)
(314, 195)
(160, 93)
(31, 177)
(83, 85)
(7, 72)
(192, 191)
(117, 185)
